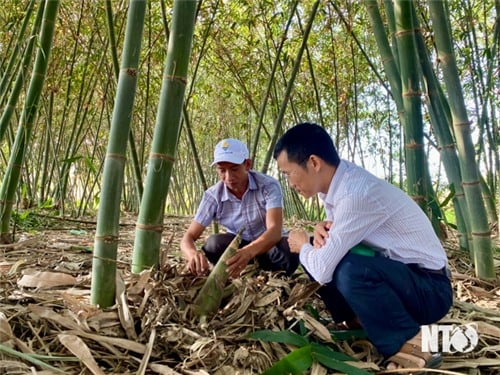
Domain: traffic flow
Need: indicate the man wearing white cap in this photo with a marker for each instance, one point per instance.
(242, 198)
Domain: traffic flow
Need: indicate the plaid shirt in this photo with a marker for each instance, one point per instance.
(218, 203)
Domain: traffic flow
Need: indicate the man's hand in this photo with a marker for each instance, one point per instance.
(237, 263)
(297, 238)
(197, 263)
(321, 233)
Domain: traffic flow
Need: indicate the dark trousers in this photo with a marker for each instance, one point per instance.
(278, 258)
(391, 299)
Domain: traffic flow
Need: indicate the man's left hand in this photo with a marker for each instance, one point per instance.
(237, 263)
(296, 239)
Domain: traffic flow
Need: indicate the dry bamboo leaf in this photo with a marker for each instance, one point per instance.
(363, 365)
(268, 298)
(76, 346)
(5, 330)
(140, 283)
(124, 314)
(301, 293)
(13, 367)
(163, 369)
(317, 369)
(49, 314)
(147, 354)
(45, 280)
(78, 306)
(484, 328)
(116, 341)
(316, 327)
(471, 363)
(5, 267)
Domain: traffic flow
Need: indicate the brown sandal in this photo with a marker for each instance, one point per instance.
(411, 356)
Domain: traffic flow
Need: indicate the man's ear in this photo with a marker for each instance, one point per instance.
(316, 162)
(248, 164)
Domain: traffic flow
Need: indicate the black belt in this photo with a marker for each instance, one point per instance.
(443, 271)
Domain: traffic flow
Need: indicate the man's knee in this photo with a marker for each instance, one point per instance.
(215, 245)
(349, 275)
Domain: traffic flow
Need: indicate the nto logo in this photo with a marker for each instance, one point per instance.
(462, 338)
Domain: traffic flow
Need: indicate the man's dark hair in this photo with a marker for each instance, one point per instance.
(304, 140)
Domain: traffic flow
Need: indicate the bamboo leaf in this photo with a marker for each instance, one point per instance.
(335, 364)
(284, 337)
(327, 352)
(294, 363)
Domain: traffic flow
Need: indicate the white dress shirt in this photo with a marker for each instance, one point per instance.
(364, 208)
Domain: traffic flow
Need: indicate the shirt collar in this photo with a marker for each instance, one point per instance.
(335, 182)
(227, 195)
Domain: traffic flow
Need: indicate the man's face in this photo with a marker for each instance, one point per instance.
(234, 176)
(301, 179)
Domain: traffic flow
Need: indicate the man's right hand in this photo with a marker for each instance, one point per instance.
(321, 233)
(197, 263)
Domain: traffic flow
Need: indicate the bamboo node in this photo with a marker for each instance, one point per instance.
(410, 94)
(450, 146)
(481, 234)
(107, 239)
(462, 124)
(157, 155)
(473, 183)
(407, 32)
(116, 156)
(130, 71)
(181, 79)
(414, 145)
(150, 227)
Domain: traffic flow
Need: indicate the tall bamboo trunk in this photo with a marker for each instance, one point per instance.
(21, 74)
(28, 116)
(412, 102)
(108, 216)
(480, 231)
(440, 118)
(149, 225)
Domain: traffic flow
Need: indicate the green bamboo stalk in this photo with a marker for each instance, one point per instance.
(23, 137)
(290, 84)
(482, 244)
(21, 75)
(414, 136)
(106, 237)
(150, 220)
(8, 73)
(440, 119)
(131, 139)
(210, 295)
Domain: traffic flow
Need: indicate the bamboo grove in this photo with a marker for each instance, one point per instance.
(110, 107)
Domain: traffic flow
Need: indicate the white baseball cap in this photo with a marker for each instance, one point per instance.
(230, 150)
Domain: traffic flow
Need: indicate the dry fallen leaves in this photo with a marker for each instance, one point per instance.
(45, 311)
